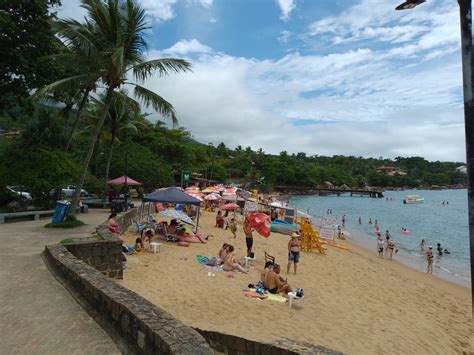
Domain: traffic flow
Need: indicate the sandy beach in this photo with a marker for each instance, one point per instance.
(354, 302)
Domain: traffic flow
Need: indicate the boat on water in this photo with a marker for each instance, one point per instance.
(412, 199)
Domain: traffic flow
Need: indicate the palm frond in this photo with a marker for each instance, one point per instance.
(163, 66)
(159, 104)
(70, 84)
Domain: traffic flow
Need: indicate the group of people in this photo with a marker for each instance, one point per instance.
(388, 245)
(272, 281)
(226, 222)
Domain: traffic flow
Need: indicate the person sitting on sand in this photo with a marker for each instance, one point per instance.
(268, 267)
(223, 252)
(112, 224)
(429, 259)
(274, 283)
(139, 244)
(230, 263)
(293, 252)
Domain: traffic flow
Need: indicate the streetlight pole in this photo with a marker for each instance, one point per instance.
(465, 11)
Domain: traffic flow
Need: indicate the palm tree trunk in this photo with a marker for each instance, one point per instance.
(94, 138)
(78, 117)
(109, 161)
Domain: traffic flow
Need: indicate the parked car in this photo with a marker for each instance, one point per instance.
(68, 191)
(20, 191)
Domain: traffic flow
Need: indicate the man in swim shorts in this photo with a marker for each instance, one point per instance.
(274, 283)
(248, 236)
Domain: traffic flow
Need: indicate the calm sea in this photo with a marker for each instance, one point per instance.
(436, 223)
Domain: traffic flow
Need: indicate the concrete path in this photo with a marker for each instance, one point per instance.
(37, 314)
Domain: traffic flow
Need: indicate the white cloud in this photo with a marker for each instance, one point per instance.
(358, 102)
(206, 3)
(284, 36)
(185, 47)
(212, 20)
(286, 7)
(159, 10)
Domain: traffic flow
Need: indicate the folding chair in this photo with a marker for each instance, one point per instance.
(269, 257)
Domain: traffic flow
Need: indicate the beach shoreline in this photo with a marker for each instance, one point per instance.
(354, 301)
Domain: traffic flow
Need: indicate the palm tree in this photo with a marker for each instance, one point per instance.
(113, 36)
(123, 116)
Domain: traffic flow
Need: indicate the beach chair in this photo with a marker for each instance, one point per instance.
(164, 234)
(139, 227)
(269, 257)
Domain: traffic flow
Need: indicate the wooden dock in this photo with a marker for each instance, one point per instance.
(374, 192)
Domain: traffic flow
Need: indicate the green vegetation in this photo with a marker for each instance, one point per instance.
(70, 222)
(81, 122)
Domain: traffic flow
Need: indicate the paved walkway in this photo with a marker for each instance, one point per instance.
(37, 315)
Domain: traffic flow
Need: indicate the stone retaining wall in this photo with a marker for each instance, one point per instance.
(234, 345)
(145, 328)
(104, 255)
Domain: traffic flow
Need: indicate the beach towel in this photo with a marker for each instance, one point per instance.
(269, 296)
(201, 259)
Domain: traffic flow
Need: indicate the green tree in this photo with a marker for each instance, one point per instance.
(114, 34)
(26, 36)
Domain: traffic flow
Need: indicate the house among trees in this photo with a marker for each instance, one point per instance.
(390, 170)
(462, 169)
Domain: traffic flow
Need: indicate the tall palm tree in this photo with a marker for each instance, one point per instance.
(123, 116)
(113, 35)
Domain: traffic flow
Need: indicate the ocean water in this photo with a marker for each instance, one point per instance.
(436, 223)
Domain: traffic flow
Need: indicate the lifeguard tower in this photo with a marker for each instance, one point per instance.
(310, 238)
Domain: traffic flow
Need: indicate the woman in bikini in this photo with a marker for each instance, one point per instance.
(293, 252)
(391, 247)
(230, 264)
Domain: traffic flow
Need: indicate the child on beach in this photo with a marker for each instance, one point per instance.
(429, 259)
(233, 227)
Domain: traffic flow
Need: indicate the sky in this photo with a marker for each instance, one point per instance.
(328, 77)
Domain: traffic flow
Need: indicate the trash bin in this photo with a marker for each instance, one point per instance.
(60, 212)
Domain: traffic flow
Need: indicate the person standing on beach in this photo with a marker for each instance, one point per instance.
(380, 246)
(293, 252)
(391, 247)
(248, 236)
(429, 259)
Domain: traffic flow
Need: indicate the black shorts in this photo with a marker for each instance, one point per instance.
(249, 242)
(273, 290)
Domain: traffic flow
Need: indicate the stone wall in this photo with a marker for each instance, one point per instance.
(104, 255)
(233, 345)
(145, 328)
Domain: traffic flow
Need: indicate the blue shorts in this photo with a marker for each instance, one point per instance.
(294, 256)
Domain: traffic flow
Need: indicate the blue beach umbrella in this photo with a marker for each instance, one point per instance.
(177, 215)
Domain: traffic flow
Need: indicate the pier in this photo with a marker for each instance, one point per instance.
(373, 192)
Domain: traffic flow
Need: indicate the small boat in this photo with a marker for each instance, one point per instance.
(412, 199)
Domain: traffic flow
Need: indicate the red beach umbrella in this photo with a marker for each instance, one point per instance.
(230, 206)
(261, 222)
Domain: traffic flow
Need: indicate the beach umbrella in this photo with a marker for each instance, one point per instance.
(195, 194)
(124, 180)
(261, 223)
(212, 197)
(208, 190)
(176, 215)
(229, 206)
(229, 197)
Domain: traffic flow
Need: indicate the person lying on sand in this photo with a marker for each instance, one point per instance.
(230, 263)
(274, 283)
